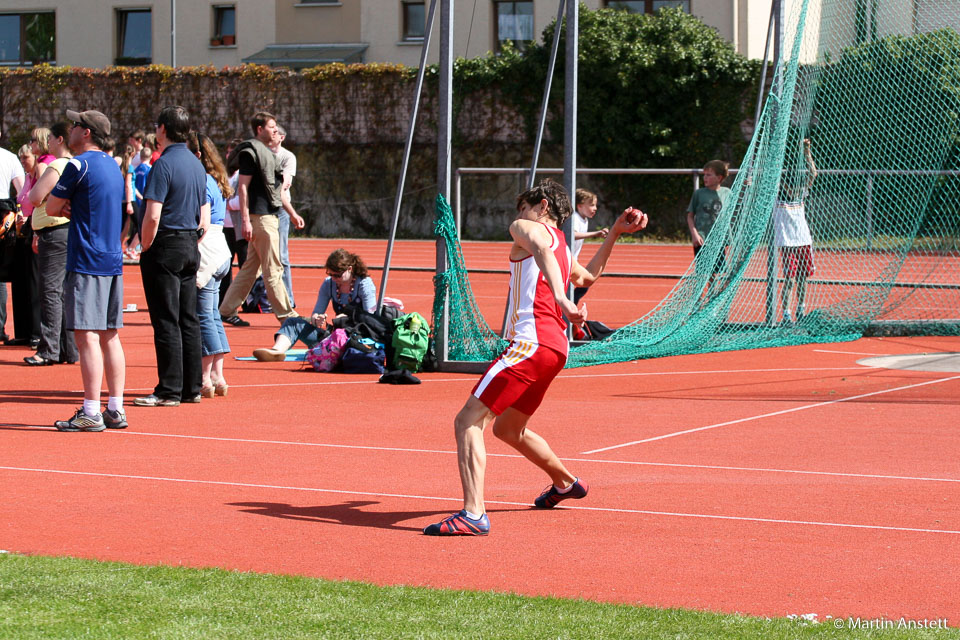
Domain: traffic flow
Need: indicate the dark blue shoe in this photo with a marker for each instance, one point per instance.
(459, 525)
(550, 496)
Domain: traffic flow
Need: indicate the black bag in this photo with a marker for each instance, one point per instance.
(363, 355)
(376, 326)
(596, 330)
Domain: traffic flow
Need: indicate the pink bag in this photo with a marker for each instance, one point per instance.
(325, 355)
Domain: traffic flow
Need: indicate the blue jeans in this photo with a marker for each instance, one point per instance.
(284, 220)
(299, 329)
(212, 336)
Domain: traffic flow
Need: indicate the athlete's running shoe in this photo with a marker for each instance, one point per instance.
(550, 496)
(115, 419)
(81, 422)
(460, 525)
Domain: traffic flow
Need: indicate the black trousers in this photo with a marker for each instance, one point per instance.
(25, 288)
(56, 343)
(169, 273)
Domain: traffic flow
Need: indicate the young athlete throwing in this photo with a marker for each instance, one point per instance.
(514, 385)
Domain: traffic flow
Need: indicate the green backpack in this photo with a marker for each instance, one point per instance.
(411, 335)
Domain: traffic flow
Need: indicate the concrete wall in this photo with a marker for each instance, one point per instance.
(318, 23)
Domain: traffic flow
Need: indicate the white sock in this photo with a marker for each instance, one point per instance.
(91, 407)
(567, 490)
(473, 516)
(115, 403)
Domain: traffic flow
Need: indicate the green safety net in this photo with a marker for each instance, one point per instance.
(874, 86)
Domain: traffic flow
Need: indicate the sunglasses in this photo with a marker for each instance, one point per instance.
(335, 276)
(81, 125)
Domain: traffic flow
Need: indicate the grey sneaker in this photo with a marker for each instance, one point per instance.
(194, 399)
(115, 419)
(153, 401)
(81, 422)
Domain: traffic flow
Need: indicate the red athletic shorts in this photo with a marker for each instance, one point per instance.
(797, 261)
(519, 377)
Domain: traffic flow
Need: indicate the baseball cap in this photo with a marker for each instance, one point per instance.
(93, 120)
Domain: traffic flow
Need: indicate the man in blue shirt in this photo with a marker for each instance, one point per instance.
(175, 208)
(90, 192)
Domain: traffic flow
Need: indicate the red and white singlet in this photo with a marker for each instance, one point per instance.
(537, 332)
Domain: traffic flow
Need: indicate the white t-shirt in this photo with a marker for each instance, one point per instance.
(790, 224)
(10, 168)
(286, 162)
(233, 204)
(579, 225)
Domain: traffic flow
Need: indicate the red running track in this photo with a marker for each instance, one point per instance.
(767, 482)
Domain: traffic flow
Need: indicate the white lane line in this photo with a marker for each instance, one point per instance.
(674, 514)
(596, 461)
(473, 376)
(851, 353)
(767, 415)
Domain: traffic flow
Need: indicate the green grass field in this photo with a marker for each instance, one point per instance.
(69, 598)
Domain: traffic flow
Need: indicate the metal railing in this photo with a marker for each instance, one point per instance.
(870, 174)
(459, 173)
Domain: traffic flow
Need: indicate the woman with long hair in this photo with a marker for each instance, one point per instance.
(214, 266)
(50, 243)
(126, 169)
(346, 285)
(41, 148)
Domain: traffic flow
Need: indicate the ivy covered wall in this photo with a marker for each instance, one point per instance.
(655, 91)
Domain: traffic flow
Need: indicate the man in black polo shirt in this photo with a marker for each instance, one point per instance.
(259, 187)
(174, 208)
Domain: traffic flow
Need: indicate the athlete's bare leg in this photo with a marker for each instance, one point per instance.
(469, 424)
(511, 427)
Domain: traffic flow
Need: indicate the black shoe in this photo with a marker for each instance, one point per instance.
(39, 361)
(4, 338)
(17, 342)
(235, 321)
(399, 376)
(35, 344)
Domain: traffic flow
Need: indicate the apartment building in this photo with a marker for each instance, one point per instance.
(304, 33)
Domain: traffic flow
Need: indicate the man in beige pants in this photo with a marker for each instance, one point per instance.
(259, 191)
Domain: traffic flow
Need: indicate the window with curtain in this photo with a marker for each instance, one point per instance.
(414, 20)
(514, 23)
(134, 37)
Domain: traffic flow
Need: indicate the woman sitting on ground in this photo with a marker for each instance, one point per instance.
(346, 285)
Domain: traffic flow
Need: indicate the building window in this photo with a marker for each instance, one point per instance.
(134, 37)
(514, 23)
(648, 6)
(414, 20)
(224, 25)
(27, 38)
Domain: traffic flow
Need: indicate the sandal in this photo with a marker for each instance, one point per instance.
(221, 389)
(207, 392)
(39, 361)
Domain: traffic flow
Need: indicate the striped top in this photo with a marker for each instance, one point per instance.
(534, 317)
